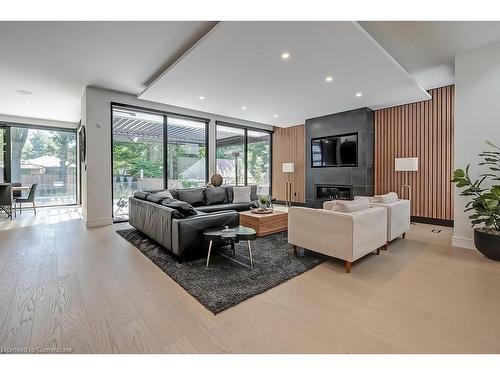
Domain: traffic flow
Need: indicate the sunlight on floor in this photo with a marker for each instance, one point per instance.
(47, 215)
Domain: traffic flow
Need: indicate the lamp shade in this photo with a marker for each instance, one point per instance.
(406, 164)
(287, 167)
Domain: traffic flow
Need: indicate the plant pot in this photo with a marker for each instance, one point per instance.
(487, 243)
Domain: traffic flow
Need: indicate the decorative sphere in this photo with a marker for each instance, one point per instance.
(216, 180)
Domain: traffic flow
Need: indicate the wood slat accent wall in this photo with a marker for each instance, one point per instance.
(423, 130)
(289, 146)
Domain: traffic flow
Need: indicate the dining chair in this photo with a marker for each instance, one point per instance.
(29, 199)
(7, 201)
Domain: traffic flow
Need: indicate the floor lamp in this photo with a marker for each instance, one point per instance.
(406, 165)
(288, 168)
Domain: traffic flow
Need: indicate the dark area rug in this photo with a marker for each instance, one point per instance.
(225, 283)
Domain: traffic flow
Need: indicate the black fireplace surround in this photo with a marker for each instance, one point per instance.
(349, 181)
(329, 192)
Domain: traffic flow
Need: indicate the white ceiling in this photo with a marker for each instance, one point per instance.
(427, 49)
(239, 64)
(56, 60)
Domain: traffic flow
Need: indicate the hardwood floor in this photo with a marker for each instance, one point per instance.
(66, 288)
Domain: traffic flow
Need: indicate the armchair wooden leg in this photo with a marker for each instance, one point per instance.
(385, 246)
(378, 251)
(404, 235)
(347, 267)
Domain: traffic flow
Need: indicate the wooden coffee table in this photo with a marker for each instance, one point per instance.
(265, 224)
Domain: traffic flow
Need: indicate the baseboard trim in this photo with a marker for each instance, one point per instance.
(430, 220)
(97, 222)
(465, 243)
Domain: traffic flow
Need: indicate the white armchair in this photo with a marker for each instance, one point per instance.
(346, 236)
(398, 216)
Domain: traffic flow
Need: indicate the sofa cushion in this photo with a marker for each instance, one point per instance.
(360, 197)
(164, 194)
(141, 194)
(351, 206)
(216, 195)
(241, 194)
(253, 192)
(184, 208)
(226, 206)
(194, 197)
(155, 198)
(385, 198)
(173, 192)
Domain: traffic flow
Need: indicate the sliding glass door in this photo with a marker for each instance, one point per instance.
(187, 152)
(259, 160)
(138, 156)
(244, 157)
(231, 155)
(152, 151)
(46, 158)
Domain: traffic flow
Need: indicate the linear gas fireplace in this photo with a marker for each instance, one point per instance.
(333, 192)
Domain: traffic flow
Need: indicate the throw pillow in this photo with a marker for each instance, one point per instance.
(184, 208)
(164, 194)
(141, 194)
(385, 198)
(155, 198)
(253, 193)
(351, 206)
(241, 194)
(369, 199)
(216, 195)
(329, 205)
(194, 197)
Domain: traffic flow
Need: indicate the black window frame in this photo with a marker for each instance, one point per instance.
(165, 115)
(7, 125)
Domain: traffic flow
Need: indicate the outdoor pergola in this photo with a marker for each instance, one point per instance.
(180, 131)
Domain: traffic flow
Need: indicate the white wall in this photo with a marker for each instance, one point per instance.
(96, 115)
(477, 99)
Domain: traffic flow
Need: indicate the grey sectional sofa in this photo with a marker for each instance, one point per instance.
(179, 227)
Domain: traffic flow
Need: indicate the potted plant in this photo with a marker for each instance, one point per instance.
(264, 201)
(484, 202)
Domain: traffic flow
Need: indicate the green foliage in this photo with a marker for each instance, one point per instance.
(484, 202)
(130, 158)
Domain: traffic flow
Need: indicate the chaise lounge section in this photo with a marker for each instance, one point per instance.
(177, 219)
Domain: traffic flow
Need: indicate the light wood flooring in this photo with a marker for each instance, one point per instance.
(90, 291)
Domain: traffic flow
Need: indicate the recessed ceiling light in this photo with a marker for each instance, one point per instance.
(329, 79)
(202, 98)
(26, 102)
(24, 92)
(285, 55)
(243, 107)
(359, 94)
(275, 116)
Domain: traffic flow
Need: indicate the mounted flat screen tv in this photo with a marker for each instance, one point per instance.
(335, 151)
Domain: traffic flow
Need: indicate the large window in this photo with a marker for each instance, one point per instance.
(231, 155)
(153, 150)
(244, 157)
(138, 156)
(187, 150)
(259, 160)
(46, 158)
